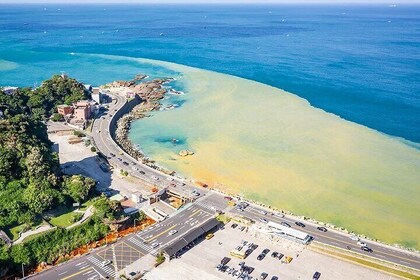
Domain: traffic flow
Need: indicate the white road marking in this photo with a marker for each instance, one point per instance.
(63, 273)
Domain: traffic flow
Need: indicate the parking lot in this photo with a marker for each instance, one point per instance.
(201, 261)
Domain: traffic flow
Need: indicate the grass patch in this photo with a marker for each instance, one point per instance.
(88, 203)
(368, 263)
(65, 219)
(13, 232)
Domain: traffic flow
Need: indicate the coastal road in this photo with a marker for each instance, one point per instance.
(335, 238)
(106, 144)
(121, 160)
(134, 246)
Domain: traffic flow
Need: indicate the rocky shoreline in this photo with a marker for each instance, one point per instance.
(150, 93)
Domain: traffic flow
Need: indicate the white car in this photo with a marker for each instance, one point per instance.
(354, 237)
(134, 168)
(277, 214)
(154, 245)
(105, 263)
(361, 243)
(155, 178)
(170, 179)
(172, 232)
(263, 212)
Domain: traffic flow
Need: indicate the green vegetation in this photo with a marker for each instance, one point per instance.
(123, 172)
(30, 179)
(78, 187)
(223, 218)
(93, 149)
(56, 117)
(78, 133)
(160, 258)
(66, 219)
(51, 245)
(108, 209)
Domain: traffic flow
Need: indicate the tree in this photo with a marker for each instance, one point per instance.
(39, 196)
(20, 254)
(56, 117)
(78, 187)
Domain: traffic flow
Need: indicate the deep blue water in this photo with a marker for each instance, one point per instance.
(359, 62)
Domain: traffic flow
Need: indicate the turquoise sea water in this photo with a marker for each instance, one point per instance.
(357, 63)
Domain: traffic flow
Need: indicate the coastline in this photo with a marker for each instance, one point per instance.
(152, 103)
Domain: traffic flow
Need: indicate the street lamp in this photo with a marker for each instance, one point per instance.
(23, 271)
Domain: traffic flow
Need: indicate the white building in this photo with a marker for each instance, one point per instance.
(9, 90)
(289, 233)
(97, 95)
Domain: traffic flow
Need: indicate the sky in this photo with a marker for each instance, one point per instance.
(211, 1)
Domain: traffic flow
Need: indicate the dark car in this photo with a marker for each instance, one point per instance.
(112, 155)
(254, 247)
(285, 224)
(248, 252)
(263, 276)
(274, 254)
(280, 256)
(265, 251)
(234, 225)
(321, 229)
(125, 163)
(366, 249)
(228, 198)
(300, 224)
(225, 260)
(260, 257)
(316, 275)
(274, 278)
(142, 172)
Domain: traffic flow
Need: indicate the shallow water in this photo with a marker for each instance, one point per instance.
(273, 146)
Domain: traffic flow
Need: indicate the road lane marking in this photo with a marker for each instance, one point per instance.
(83, 267)
(345, 242)
(63, 272)
(77, 273)
(80, 263)
(163, 232)
(195, 213)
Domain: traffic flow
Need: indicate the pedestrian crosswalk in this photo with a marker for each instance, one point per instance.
(142, 245)
(109, 269)
(205, 206)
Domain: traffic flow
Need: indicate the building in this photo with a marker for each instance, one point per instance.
(82, 113)
(9, 90)
(289, 233)
(97, 95)
(64, 110)
(196, 234)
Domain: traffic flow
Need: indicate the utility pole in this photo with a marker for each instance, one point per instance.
(23, 271)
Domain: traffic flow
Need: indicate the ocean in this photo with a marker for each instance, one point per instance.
(346, 140)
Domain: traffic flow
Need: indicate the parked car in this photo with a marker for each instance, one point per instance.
(264, 220)
(280, 256)
(228, 198)
(274, 278)
(263, 212)
(300, 224)
(266, 251)
(278, 214)
(234, 225)
(274, 254)
(263, 276)
(321, 229)
(316, 275)
(142, 172)
(260, 257)
(125, 163)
